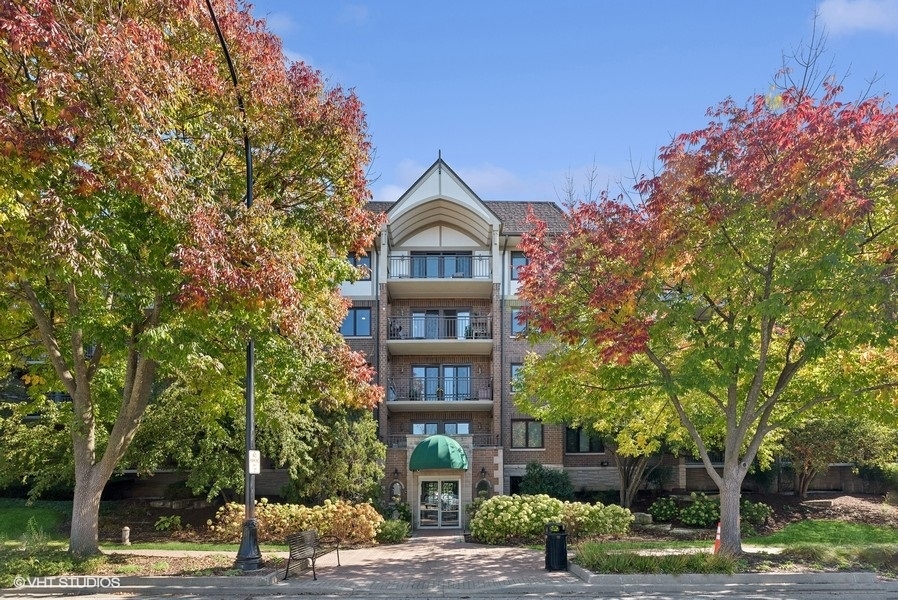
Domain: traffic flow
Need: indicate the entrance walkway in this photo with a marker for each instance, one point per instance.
(434, 562)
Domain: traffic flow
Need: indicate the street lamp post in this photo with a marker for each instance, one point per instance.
(249, 557)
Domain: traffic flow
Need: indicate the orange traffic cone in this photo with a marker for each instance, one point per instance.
(717, 539)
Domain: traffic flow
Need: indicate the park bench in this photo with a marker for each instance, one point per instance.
(305, 548)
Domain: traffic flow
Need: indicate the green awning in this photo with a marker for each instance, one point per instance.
(438, 452)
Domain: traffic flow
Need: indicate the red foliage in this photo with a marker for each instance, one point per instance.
(794, 163)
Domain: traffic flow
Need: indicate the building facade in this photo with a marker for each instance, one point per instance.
(437, 318)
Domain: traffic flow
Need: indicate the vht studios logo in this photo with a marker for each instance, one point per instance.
(73, 581)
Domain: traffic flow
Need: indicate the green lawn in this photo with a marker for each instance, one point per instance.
(189, 546)
(814, 543)
(44, 517)
(834, 533)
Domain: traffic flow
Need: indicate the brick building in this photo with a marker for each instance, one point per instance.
(438, 319)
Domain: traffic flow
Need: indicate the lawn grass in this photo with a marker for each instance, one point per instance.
(204, 547)
(831, 533)
(821, 544)
(43, 515)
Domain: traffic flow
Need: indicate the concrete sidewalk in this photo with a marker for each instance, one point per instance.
(433, 564)
(447, 566)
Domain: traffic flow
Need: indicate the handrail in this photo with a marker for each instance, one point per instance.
(480, 440)
(439, 389)
(436, 327)
(462, 266)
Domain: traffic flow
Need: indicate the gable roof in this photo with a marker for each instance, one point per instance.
(511, 213)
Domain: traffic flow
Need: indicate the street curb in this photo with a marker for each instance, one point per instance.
(861, 578)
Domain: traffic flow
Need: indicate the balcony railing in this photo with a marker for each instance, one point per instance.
(480, 440)
(404, 266)
(435, 327)
(439, 389)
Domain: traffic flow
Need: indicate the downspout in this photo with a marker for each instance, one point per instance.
(503, 292)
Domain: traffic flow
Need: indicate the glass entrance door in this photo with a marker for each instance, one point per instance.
(439, 506)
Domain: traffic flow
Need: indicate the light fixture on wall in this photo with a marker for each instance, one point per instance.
(395, 473)
(483, 471)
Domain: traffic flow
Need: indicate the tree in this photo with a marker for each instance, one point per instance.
(130, 262)
(816, 442)
(754, 274)
(813, 444)
(538, 479)
(567, 385)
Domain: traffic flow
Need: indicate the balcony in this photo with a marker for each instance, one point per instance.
(440, 275)
(437, 333)
(479, 440)
(407, 394)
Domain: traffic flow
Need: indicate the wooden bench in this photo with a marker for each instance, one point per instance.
(305, 548)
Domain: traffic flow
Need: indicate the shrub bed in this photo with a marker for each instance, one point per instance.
(353, 524)
(523, 518)
(704, 512)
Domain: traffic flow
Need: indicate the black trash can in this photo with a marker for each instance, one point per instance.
(556, 547)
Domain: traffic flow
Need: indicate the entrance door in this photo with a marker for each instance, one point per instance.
(439, 507)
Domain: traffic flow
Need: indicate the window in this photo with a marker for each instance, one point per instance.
(363, 263)
(518, 260)
(441, 382)
(436, 324)
(457, 428)
(357, 323)
(515, 375)
(577, 440)
(526, 434)
(424, 428)
(517, 327)
(427, 265)
(451, 428)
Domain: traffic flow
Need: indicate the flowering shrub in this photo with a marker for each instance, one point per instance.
(664, 510)
(584, 520)
(351, 523)
(504, 519)
(755, 513)
(701, 512)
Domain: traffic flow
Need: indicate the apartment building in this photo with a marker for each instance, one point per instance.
(438, 319)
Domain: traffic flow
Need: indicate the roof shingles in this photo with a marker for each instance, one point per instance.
(512, 214)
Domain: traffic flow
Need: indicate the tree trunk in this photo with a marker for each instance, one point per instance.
(630, 470)
(84, 537)
(804, 482)
(730, 526)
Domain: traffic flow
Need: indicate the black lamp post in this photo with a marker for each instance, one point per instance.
(249, 557)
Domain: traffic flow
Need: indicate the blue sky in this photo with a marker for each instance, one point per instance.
(519, 95)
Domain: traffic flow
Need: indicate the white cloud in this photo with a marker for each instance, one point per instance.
(280, 23)
(388, 193)
(354, 13)
(854, 16)
(492, 182)
(489, 181)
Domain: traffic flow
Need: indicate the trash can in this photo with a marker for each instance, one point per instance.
(556, 547)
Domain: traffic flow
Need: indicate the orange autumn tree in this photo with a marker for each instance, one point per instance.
(753, 281)
(131, 265)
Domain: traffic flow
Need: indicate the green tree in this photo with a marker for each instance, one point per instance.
(569, 385)
(132, 267)
(818, 441)
(538, 479)
(814, 444)
(752, 281)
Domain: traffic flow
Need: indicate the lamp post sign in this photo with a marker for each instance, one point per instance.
(254, 462)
